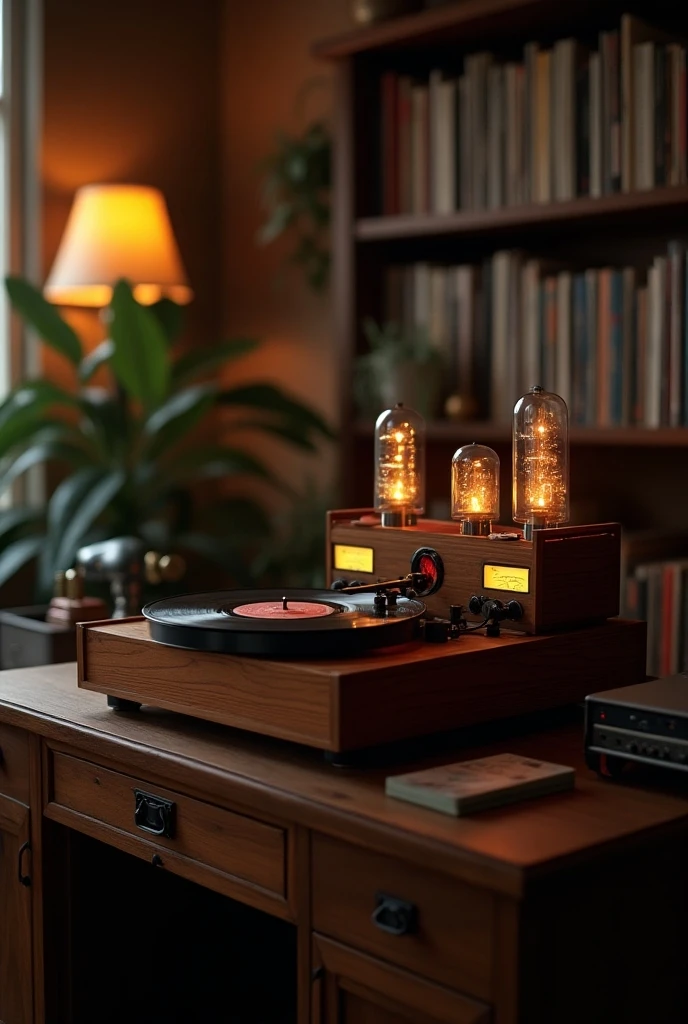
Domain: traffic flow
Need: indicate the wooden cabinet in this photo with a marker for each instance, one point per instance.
(352, 988)
(235, 854)
(16, 975)
(441, 928)
(16, 927)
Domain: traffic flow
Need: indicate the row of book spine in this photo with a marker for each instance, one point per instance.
(564, 122)
(613, 342)
(658, 593)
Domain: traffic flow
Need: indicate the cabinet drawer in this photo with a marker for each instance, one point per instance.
(14, 763)
(211, 836)
(450, 936)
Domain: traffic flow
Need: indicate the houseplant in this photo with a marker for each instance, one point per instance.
(295, 189)
(401, 365)
(134, 451)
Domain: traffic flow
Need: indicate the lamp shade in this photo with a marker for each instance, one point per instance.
(113, 232)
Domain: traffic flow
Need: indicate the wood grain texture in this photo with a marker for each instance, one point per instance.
(614, 946)
(413, 690)
(574, 571)
(299, 889)
(454, 940)
(385, 995)
(37, 888)
(466, 22)
(452, 433)
(232, 843)
(16, 975)
(506, 960)
(600, 212)
(14, 763)
(501, 849)
(249, 693)
(423, 692)
(577, 574)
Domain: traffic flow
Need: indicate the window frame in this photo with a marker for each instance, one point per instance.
(20, 197)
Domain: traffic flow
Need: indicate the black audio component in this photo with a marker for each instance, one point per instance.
(647, 722)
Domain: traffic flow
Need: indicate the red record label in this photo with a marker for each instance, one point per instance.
(283, 610)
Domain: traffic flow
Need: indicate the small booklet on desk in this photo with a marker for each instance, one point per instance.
(470, 786)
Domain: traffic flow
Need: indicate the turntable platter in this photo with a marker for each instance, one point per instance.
(283, 623)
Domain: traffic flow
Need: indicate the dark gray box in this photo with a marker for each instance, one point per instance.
(26, 639)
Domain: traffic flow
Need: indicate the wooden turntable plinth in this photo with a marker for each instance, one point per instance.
(348, 704)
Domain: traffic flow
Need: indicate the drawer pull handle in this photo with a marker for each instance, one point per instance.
(396, 917)
(24, 879)
(153, 814)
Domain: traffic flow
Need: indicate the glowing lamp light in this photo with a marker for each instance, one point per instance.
(475, 488)
(400, 466)
(541, 461)
(113, 232)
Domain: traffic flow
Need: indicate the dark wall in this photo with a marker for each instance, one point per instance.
(132, 94)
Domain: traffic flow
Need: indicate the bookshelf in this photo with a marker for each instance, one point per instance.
(500, 433)
(618, 471)
(597, 214)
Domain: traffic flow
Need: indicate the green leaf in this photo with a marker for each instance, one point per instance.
(281, 218)
(177, 417)
(140, 360)
(44, 318)
(84, 511)
(38, 453)
(292, 433)
(23, 413)
(195, 364)
(271, 399)
(105, 422)
(219, 461)
(34, 396)
(20, 516)
(18, 554)
(170, 316)
(62, 506)
(98, 357)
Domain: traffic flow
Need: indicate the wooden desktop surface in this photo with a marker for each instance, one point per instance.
(500, 848)
(537, 913)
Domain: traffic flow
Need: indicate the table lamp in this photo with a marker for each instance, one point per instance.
(113, 232)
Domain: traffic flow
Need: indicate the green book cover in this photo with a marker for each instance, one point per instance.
(469, 786)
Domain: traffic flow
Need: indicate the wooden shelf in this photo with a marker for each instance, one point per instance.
(464, 433)
(575, 212)
(468, 21)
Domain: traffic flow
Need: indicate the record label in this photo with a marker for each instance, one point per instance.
(283, 610)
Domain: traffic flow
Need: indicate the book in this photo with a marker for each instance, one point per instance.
(595, 101)
(390, 146)
(405, 184)
(634, 31)
(613, 341)
(420, 146)
(469, 786)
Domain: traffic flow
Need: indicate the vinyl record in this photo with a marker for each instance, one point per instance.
(282, 623)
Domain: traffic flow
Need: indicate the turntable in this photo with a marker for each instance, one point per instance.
(444, 625)
(341, 673)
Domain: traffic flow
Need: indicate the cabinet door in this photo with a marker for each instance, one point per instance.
(353, 988)
(16, 967)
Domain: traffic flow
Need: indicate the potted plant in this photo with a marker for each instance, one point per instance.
(401, 366)
(296, 195)
(134, 452)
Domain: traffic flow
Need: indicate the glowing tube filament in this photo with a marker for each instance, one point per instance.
(541, 461)
(399, 466)
(475, 488)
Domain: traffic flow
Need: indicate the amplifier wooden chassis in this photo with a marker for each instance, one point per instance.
(573, 572)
